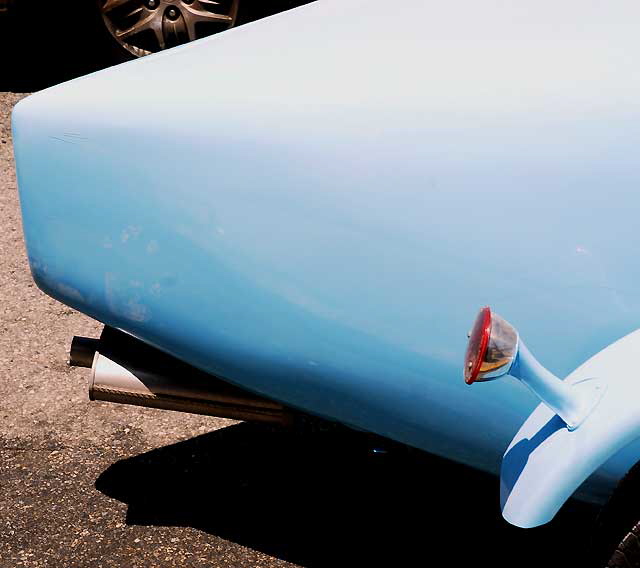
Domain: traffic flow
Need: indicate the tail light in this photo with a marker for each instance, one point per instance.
(495, 349)
(493, 345)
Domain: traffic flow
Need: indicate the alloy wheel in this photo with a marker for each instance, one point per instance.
(146, 26)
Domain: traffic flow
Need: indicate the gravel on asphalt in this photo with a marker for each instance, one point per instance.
(54, 443)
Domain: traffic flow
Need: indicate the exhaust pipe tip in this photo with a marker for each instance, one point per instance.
(83, 351)
(127, 371)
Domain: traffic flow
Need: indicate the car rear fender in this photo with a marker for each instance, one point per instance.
(546, 462)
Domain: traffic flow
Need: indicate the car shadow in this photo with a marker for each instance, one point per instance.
(332, 497)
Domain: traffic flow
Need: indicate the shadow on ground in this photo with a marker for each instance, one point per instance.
(327, 499)
(46, 43)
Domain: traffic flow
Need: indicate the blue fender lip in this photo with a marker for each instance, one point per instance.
(546, 461)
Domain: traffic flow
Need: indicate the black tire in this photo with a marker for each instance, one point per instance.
(616, 540)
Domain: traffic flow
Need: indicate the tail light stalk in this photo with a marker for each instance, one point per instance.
(495, 349)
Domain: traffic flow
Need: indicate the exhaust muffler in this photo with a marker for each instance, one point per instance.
(128, 371)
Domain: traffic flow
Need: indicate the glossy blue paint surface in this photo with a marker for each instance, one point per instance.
(314, 206)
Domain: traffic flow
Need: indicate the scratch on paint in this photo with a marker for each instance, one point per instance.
(61, 140)
(69, 138)
(75, 135)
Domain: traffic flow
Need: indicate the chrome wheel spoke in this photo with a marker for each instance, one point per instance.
(141, 25)
(110, 5)
(195, 15)
(159, 33)
(136, 24)
(135, 11)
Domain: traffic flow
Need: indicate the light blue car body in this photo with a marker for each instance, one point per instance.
(314, 206)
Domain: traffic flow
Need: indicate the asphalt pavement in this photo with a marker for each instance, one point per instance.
(95, 484)
(55, 444)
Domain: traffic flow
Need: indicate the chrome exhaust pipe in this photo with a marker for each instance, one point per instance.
(128, 371)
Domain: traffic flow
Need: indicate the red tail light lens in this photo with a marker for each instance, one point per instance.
(477, 346)
(492, 348)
